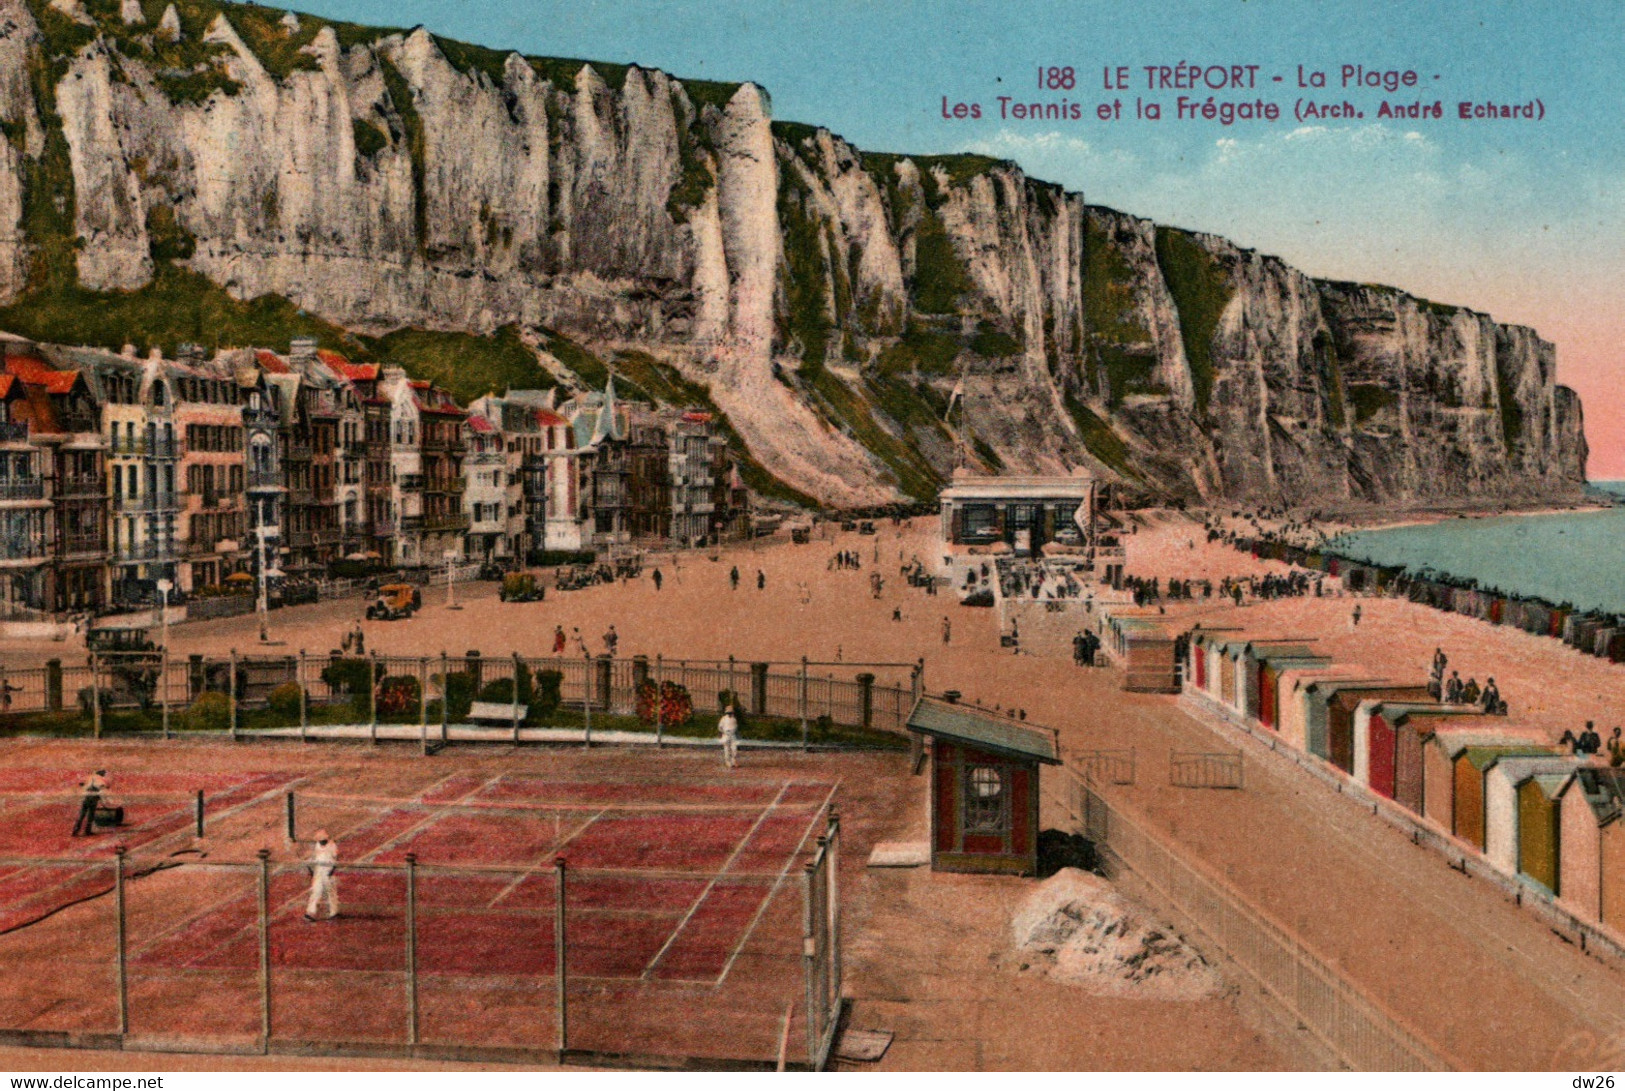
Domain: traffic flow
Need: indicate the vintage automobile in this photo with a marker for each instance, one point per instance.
(395, 601)
(521, 587)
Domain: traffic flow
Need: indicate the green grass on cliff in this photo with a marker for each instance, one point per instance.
(1100, 440)
(1201, 291)
(912, 473)
(177, 306)
(464, 363)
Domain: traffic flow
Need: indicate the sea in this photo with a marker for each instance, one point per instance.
(1570, 557)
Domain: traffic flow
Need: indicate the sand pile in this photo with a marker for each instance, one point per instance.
(1079, 931)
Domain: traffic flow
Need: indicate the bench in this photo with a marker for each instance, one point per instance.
(496, 712)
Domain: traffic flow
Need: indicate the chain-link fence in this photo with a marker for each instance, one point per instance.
(728, 968)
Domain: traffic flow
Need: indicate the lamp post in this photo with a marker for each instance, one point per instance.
(164, 588)
(263, 606)
(451, 559)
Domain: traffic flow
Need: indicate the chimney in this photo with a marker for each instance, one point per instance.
(302, 348)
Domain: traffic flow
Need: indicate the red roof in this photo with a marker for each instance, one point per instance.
(547, 418)
(270, 361)
(695, 416)
(35, 372)
(475, 421)
(338, 365)
(5, 384)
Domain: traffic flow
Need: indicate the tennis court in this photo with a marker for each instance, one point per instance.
(682, 905)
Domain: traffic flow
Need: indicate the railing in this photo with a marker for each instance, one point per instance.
(445, 522)
(141, 552)
(264, 479)
(447, 484)
(1189, 769)
(1106, 766)
(13, 432)
(81, 543)
(149, 504)
(28, 488)
(35, 552)
(1362, 1034)
(81, 485)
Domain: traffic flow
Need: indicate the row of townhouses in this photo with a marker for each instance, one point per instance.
(117, 471)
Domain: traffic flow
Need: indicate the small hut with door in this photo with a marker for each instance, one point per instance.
(984, 787)
(1591, 866)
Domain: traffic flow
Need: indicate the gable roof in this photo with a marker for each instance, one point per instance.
(1603, 788)
(940, 719)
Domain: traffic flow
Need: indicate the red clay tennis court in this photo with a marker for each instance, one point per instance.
(685, 913)
(43, 868)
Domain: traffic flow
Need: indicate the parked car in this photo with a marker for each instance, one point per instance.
(521, 587)
(395, 601)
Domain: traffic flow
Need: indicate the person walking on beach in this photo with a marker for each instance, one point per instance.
(658, 578)
(1616, 750)
(558, 640)
(1356, 624)
(612, 639)
(1470, 692)
(1492, 698)
(728, 731)
(761, 580)
(1452, 689)
(947, 628)
(92, 788)
(323, 859)
(733, 578)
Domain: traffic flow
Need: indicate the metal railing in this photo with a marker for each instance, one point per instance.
(26, 488)
(1106, 766)
(1193, 769)
(1356, 1027)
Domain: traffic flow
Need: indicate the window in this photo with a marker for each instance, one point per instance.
(985, 801)
(981, 521)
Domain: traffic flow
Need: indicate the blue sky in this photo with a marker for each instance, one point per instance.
(1523, 219)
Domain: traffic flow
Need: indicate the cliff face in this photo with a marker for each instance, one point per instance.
(833, 301)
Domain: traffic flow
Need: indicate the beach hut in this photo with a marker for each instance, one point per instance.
(1206, 648)
(1317, 697)
(1251, 667)
(1539, 835)
(1467, 819)
(1147, 651)
(1342, 708)
(1591, 865)
(1376, 743)
(984, 787)
(1415, 727)
(1445, 746)
(1293, 710)
(1271, 666)
(1501, 778)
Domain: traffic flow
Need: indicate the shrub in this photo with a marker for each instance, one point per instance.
(459, 689)
(498, 690)
(285, 699)
(670, 700)
(210, 712)
(431, 711)
(398, 695)
(347, 675)
(548, 698)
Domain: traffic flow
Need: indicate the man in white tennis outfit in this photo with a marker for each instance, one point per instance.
(728, 729)
(323, 859)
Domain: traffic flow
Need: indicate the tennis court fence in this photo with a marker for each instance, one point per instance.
(1358, 1030)
(143, 693)
(733, 969)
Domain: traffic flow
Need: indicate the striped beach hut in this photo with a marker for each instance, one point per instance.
(1502, 780)
(1591, 865)
(1206, 648)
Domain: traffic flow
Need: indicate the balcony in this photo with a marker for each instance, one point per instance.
(81, 485)
(22, 488)
(264, 481)
(145, 505)
(383, 528)
(143, 552)
(447, 485)
(300, 451)
(13, 432)
(80, 543)
(458, 521)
